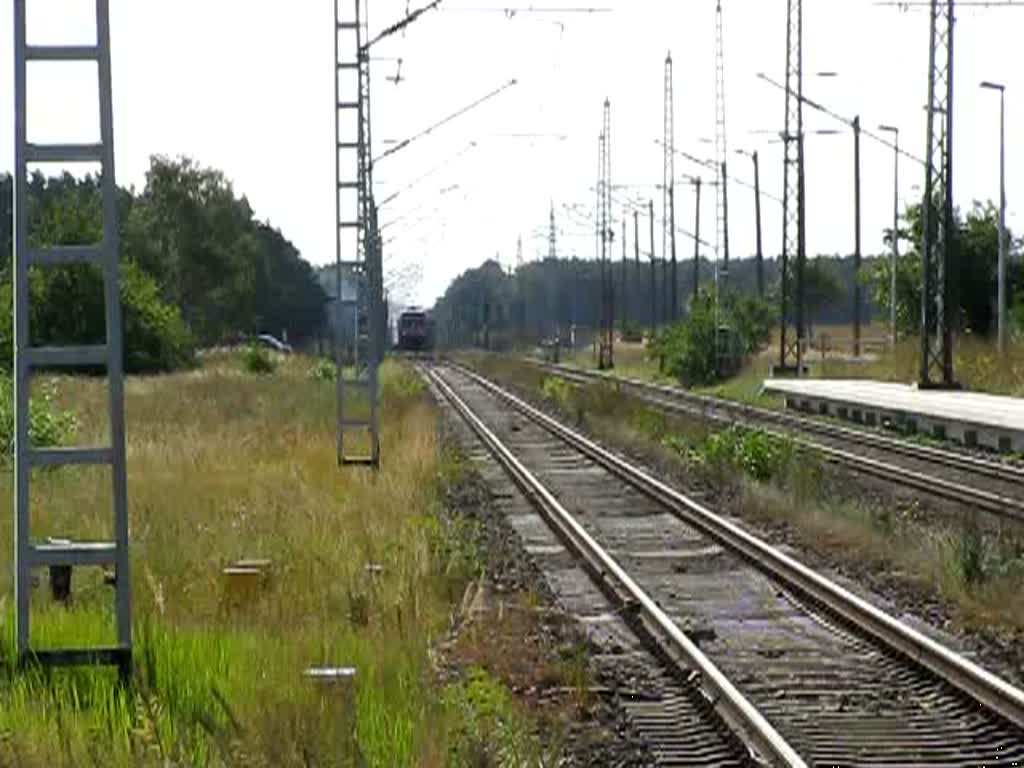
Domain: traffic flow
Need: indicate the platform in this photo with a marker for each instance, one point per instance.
(970, 418)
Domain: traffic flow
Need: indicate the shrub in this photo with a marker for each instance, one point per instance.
(688, 348)
(758, 454)
(323, 370)
(557, 391)
(257, 359)
(753, 319)
(48, 425)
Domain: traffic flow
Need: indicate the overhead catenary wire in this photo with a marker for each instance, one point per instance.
(848, 122)
(427, 131)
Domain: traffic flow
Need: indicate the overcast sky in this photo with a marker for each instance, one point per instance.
(245, 86)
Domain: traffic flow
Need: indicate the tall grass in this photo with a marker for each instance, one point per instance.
(222, 466)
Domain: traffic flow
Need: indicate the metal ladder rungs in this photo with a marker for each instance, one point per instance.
(348, 105)
(348, 185)
(75, 553)
(348, 65)
(358, 461)
(63, 153)
(349, 25)
(63, 457)
(74, 657)
(355, 423)
(67, 356)
(350, 224)
(65, 254)
(349, 263)
(62, 52)
(348, 145)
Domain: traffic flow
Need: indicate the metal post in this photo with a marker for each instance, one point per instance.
(654, 277)
(635, 292)
(622, 284)
(801, 259)
(725, 225)
(22, 530)
(895, 252)
(696, 245)
(856, 230)
(674, 289)
(1003, 244)
(667, 184)
(757, 216)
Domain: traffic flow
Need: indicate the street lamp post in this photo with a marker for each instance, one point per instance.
(1002, 213)
(894, 256)
(757, 217)
(856, 237)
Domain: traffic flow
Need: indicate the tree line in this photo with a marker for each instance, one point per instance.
(543, 298)
(198, 267)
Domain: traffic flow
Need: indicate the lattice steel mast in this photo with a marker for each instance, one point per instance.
(721, 159)
(667, 184)
(606, 358)
(358, 255)
(937, 213)
(793, 239)
(552, 243)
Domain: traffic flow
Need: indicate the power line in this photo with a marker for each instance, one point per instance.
(427, 131)
(845, 120)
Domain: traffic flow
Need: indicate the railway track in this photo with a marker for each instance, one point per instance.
(801, 670)
(992, 486)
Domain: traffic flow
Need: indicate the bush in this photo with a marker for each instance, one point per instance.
(323, 370)
(753, 319)
(556, 390)
(688, 348)
(758, 454)
(48, 425)
(257, 359)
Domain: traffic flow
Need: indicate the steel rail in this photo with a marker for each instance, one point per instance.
(981, 685)
(726, 699)
(997, 504)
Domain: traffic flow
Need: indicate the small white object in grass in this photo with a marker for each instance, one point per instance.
(331, 675)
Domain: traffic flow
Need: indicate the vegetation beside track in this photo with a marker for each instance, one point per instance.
(976, 570)
(364, 571)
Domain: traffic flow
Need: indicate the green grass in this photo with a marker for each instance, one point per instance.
(225, 465)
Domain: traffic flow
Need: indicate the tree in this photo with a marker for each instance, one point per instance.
(973, 278)
(821, 288)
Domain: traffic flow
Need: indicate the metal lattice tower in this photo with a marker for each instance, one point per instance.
(359, 327)
(63, 554)
(552, 241)
(721, 153)
(668, 182)
(606, 357)
(793, 239)
(937, 213)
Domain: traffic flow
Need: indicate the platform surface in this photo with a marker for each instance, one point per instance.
(994, 411)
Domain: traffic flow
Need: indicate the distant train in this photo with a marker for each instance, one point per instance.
(416, 330)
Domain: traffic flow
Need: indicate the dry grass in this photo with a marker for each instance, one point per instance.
(224, 465)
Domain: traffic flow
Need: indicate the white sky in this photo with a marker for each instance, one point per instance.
(245, 86)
